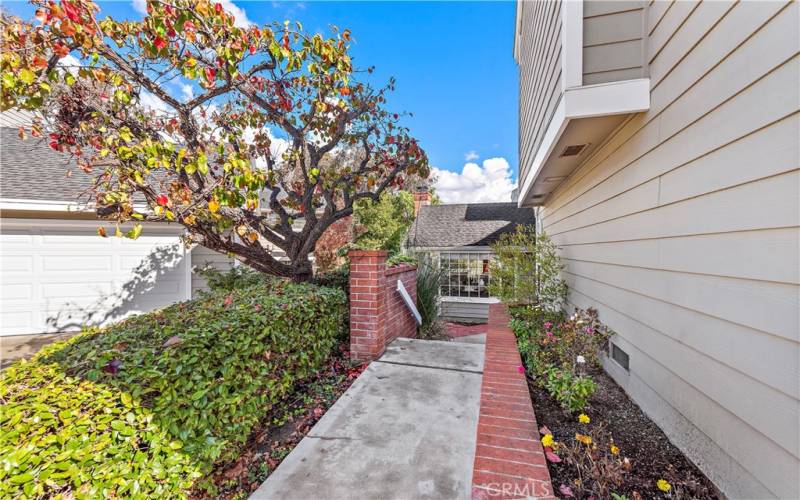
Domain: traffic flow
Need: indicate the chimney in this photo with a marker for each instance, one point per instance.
(421, 197)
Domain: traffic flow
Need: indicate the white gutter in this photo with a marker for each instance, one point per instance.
(51, 205)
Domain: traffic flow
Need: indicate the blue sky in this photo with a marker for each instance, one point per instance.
(455, 72)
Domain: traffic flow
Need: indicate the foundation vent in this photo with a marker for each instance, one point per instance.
(620, 356)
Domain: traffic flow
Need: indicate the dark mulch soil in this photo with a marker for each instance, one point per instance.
(284, 427)
(652, 455)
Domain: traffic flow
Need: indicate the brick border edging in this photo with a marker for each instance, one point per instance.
(509, 459)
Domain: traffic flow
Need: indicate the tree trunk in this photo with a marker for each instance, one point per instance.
(303, 270)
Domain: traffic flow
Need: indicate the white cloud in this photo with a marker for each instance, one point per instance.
(471, 156)
(149, 101)
(187, 91)
(277, 147)
(70, 63)
(239, 15)
(489, 182)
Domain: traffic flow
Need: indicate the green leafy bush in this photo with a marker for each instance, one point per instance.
(401, 258)
(527, 270)
(339, 278)
(429, 278)
(570, 390)
(557, 350)
(236, 277)
(145, 407)
(383, 225)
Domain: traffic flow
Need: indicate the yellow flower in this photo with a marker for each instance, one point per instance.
(584, 418)
(584, 439)
(614, 450)
(663, 485)
(547, 440)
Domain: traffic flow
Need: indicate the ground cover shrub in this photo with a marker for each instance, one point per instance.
(147, 406)
(284, 427)
(236, 277)
(338, 278)
(557, 350)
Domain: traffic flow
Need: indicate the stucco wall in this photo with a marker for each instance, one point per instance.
(683, 230)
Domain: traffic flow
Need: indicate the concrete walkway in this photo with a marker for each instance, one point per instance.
(406, 429)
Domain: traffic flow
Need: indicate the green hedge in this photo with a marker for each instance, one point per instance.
(115, 412)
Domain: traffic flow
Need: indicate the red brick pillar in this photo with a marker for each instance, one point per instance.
(367, 304)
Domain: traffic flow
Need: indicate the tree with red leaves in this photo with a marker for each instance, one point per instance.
(278, 143)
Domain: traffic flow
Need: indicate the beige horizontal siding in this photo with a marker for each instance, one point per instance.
(613, 41)
(464, 311)
(683, 228)
(540, 74)
(202, 257)
(694, 421)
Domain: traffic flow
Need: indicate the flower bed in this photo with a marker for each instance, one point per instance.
(598, 443)
(148, 406)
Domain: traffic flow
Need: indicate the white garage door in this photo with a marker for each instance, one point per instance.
(60, 275)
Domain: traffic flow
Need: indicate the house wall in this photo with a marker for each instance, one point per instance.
(462, 311)
(59, 275)
(458, 309)
(202, 256)
(613, 41)
(683, 229)
(539, 43)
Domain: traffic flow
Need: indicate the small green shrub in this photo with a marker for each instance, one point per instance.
(145, 407)
(401, 258)
(236, 277)
(570, 390)
(429, 277)
(339, 278)
(557, 350)
(527, 270)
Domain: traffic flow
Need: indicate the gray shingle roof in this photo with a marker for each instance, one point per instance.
(29, 169)
(477, 224)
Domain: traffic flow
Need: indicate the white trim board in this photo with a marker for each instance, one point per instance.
(475, 249)
(588, 101)
(571, 44)
(52, 205)
(470, 300)
(43, 205)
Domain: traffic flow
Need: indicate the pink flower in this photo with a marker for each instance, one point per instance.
(550, 334)
(551, 456)
(548, 325)
(521, 369)
(589, 330)
(566, 491)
